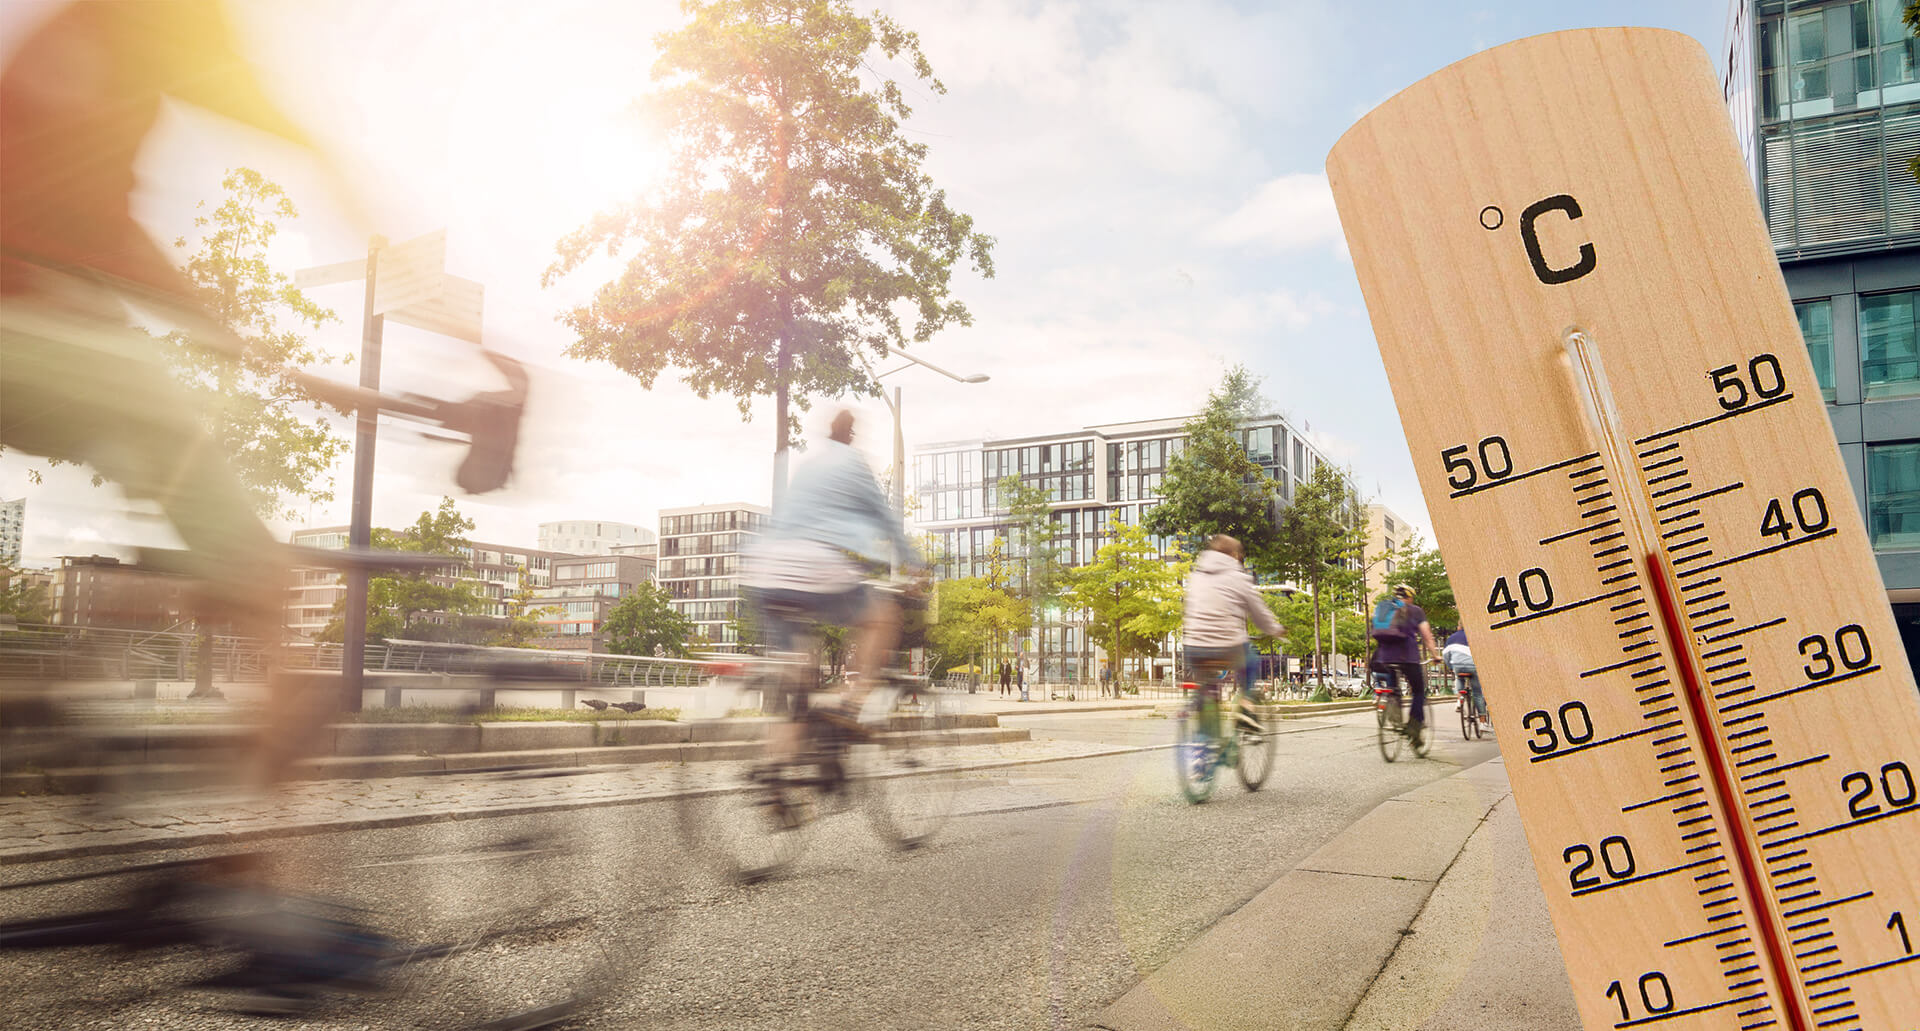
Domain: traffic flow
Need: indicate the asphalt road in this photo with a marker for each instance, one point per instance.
(1050, 894)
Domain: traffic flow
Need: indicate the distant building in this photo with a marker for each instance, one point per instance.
(101, 591)
(13, 531)
(584, 589)
(1387, 533)
(1095, 476)
(1825, 99)
(591, 536)
(498, 571)
(700, 550)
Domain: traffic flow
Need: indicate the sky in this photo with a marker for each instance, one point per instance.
(1152, 174)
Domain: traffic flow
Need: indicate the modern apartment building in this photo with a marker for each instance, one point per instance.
(1095, 476)
(101, 591)
(584, 589)
(1825, 98)
(499, 571)
(13, 531)
(591, 537)
(699, 564)
(1387, 533)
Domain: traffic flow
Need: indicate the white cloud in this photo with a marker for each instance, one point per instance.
(1293, 212)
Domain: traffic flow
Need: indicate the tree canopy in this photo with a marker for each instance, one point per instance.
(645, 620)
(1420, 567)
(973, 620)
(1131, 594)
(254, 409)
(396, 602)
(1213, 485)
(797, 228)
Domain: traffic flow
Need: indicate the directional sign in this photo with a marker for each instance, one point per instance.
(410, 272)
(327, 275)
(454, 310)
(1701, 697)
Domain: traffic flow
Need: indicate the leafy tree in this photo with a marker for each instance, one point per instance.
(797, 229)
(1421, 568)
(1213, 485)
(974, 618)
(251, 403)
(1319, 537)
(524, 626)
(1131, 593)
(1040, 556)
(26, 602)
(396, 602)
(645, 620)
(1297, 617)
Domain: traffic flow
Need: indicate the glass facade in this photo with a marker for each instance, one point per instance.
(1839, 110)
(1816, 328)
(1893, 495)
(1889, 345)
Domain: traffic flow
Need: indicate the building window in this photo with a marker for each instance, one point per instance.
(1816, 328)
(1889, 345)
(1893, 495)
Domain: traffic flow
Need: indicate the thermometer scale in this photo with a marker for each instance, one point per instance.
(1707, 718)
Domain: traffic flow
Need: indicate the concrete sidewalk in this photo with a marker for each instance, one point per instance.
(1425, 914)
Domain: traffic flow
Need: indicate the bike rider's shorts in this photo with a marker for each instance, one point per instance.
(788, 617)
(1219, 657)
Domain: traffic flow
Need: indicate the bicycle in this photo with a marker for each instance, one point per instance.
(1214, 732)
(753, 818)
(1471, 718)
(1391, 729)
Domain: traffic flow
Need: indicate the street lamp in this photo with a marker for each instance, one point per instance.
(899, 441)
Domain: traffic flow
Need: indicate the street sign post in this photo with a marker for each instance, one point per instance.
(407, 283)
(1710, 729)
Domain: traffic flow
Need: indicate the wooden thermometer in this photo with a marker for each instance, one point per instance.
(1710, 726)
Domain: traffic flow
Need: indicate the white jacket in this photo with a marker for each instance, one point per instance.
(1220, 599)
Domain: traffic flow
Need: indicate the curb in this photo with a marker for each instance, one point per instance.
(1349, 904)
(415, 819)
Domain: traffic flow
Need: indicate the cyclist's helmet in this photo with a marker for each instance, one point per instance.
(1403, 591)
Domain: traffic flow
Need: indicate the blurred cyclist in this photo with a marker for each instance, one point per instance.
(1220, 599)
(1399, 650)
(76, 382)
(810, 561)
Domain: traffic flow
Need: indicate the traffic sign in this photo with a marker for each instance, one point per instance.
(410, 272)
(1710, 728)
(327, 275)
(453, 310)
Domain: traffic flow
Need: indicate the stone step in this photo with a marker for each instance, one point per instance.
(728, 739)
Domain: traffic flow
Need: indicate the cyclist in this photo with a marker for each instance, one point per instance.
(1460, 659)
(1220, 599)
(1399, 651)
(808, 567)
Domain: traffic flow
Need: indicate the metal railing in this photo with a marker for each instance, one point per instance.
(40, 652)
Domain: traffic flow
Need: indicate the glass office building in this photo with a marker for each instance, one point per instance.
(1825, 99)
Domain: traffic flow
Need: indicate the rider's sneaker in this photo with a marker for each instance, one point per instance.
(1415, 728)
(1247, 715)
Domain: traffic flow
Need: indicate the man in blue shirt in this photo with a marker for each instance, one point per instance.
(811, 564)
(1401, 654)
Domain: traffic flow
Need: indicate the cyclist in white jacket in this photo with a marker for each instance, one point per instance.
(1220, 599)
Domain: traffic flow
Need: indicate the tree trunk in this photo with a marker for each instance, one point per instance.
(783, 364)
(1320, 668)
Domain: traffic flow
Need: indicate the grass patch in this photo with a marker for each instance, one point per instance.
(449, 714)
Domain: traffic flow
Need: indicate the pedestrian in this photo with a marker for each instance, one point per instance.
(1025, 665)
(1106, 682)
(1006, 679)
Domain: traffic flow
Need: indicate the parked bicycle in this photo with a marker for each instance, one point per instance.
(1214, 733)
(753, 818)
(1390, 719)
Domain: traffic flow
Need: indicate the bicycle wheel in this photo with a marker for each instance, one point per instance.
(1256, 755)
(1390, 729)
(1467, 722)
(1422, 738)
(907, 774)
(747, 816)
(1196, 754)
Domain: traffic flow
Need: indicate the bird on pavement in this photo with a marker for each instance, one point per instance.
(630, 706)
(593, 703)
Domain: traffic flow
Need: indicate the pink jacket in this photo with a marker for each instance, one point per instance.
(1220, 599)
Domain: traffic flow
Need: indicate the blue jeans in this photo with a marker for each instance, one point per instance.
(1239, 657)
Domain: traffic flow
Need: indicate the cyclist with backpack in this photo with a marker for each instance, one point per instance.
(1399, 629)
(1220, 599)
